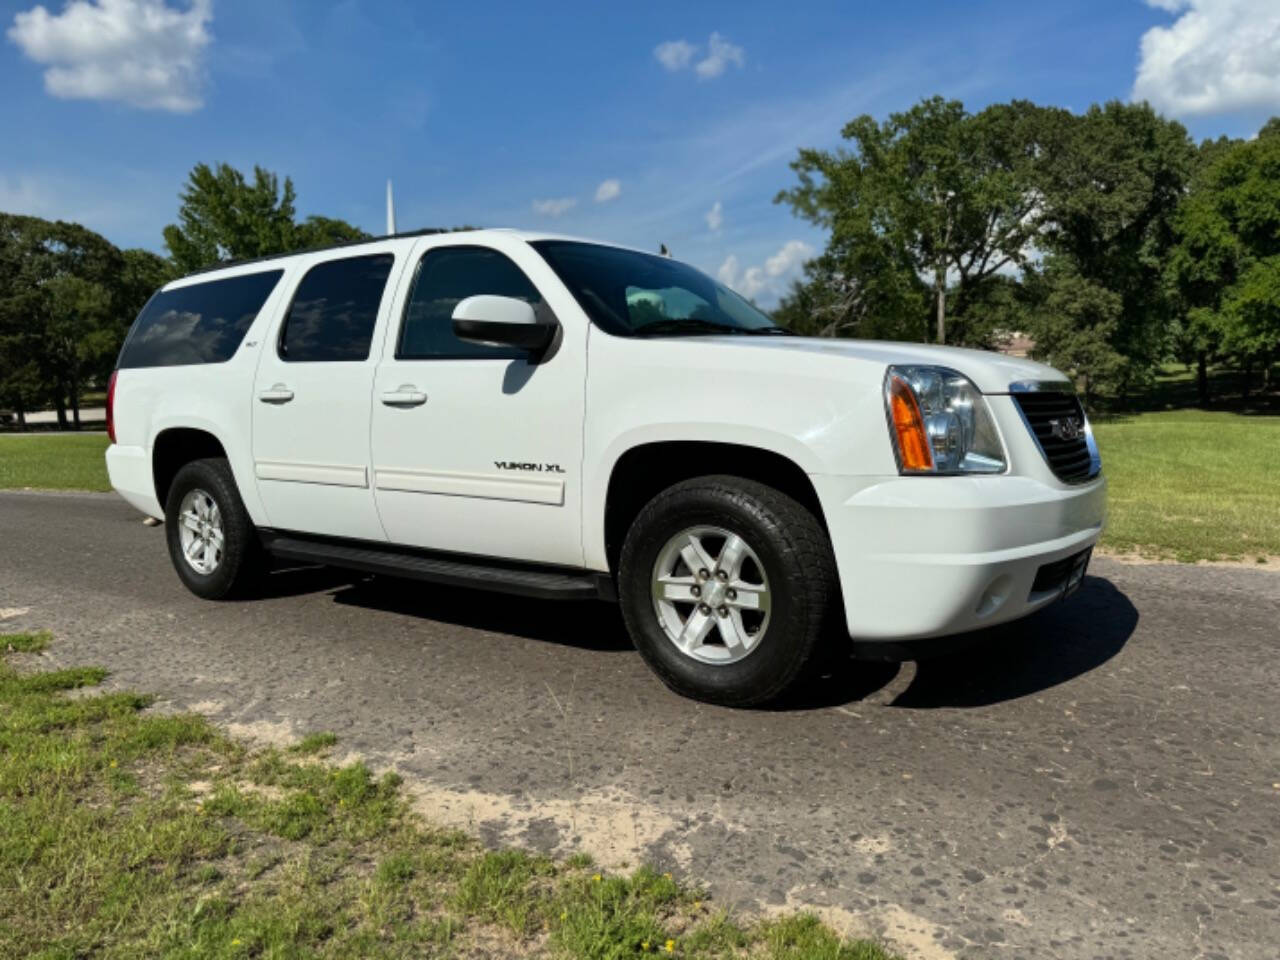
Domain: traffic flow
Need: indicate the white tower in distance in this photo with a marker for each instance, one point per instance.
(391, 212)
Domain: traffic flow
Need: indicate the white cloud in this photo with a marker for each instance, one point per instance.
(768, 282)
(1218, 56)
(677, 55)
(728, 272)
(715, 217)
(554, 206)
(788, 259)
(141, 52)
(720, 54)
(608, 190)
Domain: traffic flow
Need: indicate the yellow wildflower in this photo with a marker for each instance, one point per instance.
(596, 878)
(114, 764)
(670, 946)
(564, 915)
(235, 942)
(644, 945)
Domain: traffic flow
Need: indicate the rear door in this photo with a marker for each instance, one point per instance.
(476, 449)
(311, 397)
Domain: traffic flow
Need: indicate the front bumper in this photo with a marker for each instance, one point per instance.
(931, 556)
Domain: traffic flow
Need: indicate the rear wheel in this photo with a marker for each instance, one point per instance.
(726, 587)
(212, 542)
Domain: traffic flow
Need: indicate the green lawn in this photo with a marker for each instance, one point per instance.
(49, 461)
(1185, 484)
(1193, 485)
(126, 833)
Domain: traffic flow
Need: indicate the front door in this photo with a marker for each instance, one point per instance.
(312, 397)
(475, 448)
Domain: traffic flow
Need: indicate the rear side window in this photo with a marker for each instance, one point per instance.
(334, 310)
(198, 323)
(444, 278)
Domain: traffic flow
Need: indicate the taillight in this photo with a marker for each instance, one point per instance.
(111, 408)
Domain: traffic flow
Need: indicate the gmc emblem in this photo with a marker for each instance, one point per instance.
(1069, 428)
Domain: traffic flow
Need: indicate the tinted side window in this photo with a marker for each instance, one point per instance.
(334, 310)
(199, 323)
(445, 277)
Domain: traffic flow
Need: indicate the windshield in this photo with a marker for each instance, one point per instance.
(633, 294)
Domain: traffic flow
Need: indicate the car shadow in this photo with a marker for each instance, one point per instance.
(296, 580)
(1051, 647)
(587, 624)
(1056, 644)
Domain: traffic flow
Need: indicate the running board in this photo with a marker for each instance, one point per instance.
(473, 572)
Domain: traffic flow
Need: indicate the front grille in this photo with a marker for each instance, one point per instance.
(1070, 460)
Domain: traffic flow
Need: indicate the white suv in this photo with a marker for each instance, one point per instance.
(555, 418)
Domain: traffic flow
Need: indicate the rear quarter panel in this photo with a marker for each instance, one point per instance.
(213, 397)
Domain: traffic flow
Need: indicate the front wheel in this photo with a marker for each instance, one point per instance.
(726, 588)
(212, 542)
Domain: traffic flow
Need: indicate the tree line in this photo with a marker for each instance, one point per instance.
(68, 296)
(1109, 237)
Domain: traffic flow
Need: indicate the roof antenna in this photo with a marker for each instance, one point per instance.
(391, 212)
(663, 251)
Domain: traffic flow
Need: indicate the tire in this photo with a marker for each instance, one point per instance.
(788, 551)
(237, 568)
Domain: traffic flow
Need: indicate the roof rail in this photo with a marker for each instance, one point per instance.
(224, 264)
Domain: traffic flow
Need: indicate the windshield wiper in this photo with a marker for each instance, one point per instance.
(771, 332)
(684, 325)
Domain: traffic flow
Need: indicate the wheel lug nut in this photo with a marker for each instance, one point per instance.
(723, 611)
(722, 575)
(731, 593)
(703, 574)
(696, 590)
(703, 609)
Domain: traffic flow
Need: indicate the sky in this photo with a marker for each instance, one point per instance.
(634, 123)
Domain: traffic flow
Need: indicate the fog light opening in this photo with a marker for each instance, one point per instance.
(994, 596)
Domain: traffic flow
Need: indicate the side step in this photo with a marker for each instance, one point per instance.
(475, 573)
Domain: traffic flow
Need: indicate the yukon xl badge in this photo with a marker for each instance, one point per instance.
(535, 467)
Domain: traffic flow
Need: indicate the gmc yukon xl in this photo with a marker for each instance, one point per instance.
(556, 418)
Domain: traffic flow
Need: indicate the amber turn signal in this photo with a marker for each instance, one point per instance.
(908, 425)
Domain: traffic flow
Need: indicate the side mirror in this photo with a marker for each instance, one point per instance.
(501, 322)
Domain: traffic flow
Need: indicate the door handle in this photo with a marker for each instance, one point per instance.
(278, 393)
(406, 396)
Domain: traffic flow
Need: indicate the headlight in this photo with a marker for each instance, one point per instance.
(940, 422)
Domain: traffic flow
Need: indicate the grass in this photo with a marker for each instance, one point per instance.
(127, 833)
(53, 462)
(1193, 485)
(1185, 484)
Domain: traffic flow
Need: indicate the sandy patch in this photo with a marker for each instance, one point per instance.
(874, 845)
(913, 936)
(1138, 560)
(8, 613)
(275, 733)
(613, 826)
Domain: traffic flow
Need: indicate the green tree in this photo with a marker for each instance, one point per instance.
(225, 217)
(318, 231)
(59, 289)
(1074, 320)
(1111, 181)
(934, 197)
(80, 336)
(1226, 264)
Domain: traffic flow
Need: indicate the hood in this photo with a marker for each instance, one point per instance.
(990, 372)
